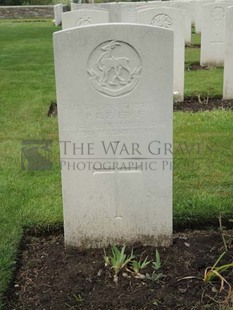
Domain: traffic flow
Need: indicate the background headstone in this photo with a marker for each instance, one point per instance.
(118, 12)
(114, 9)
(228, 57)
(213, 33)
(169, 18)
(198, 9)
(58, 10)
(114, 85)
(84, 17)
(185, 8)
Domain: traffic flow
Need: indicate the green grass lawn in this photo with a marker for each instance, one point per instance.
(202, 186)
(203, 181)
(206, 83)
(28, 199)
(192, 55)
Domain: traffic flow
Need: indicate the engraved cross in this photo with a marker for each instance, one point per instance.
(217, 45)
(117, 175)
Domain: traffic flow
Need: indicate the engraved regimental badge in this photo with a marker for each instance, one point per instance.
(162, 20)
(114, 68)
(218, 13)
(83, 21)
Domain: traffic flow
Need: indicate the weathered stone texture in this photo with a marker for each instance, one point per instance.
(27, 11)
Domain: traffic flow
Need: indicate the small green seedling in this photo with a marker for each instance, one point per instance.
(156, 265)
(154, 276)
(222, 231)
(137, 266)
(157, 262)
(79, 298)
(119, 259)
(214, 272)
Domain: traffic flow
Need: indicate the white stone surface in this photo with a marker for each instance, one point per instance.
(228, 57)
(169, 18)
(114, 9)
(58, 10)
(191, 8)
(73, 6)
(200, 14)
(128, 10)
(118, 12)
(84, 17)
(114, 85)
(186, 11)
(193, 11)
(213, 33)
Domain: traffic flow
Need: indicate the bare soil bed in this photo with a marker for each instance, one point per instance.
(203, 104)
(189, 105)
(50, 277)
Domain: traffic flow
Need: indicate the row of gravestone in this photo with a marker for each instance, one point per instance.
(115, 84)
(215, 40)
(163, 17)
(215, 23)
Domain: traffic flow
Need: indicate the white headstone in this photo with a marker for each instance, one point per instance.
(193, 11)
(191, 7)
(58, 10)
(198, 8)
(118, 12)
(83, 18)
(228, 57)
(213, 34)
(128, 11)
(114, 88)
(169, 18)
(185, 8)
(114, 9)
(196, 12)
